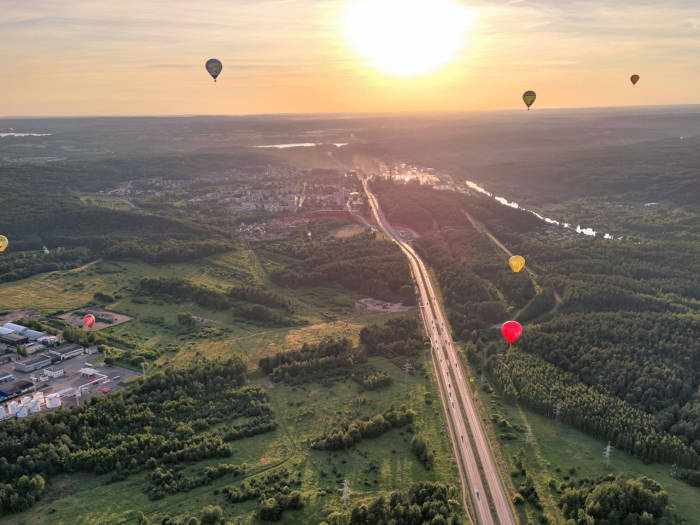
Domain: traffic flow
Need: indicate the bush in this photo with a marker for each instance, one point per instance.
(518, 499)
(103, 298)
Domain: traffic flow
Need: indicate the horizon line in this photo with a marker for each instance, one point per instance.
(351, 113)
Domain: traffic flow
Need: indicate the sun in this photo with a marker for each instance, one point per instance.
(407, 37)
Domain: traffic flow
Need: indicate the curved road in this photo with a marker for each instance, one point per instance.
(454, 391)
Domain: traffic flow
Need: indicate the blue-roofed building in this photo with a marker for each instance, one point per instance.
(17, 328)
(30, 334)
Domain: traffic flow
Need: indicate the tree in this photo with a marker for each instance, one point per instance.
(212, 514)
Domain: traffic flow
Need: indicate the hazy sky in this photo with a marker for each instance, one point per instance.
(126, 57)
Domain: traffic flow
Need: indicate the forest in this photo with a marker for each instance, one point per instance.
(397, 337)
(327, 361)
(136, 428)
(431, 503)
(350, 433)
(616, 499)
(619, 353)
(362, 263)
(180, 290)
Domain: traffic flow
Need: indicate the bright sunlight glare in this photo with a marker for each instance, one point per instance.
(407, 37)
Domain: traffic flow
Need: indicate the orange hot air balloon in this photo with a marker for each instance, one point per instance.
(89, 320)
(511, 330)
(634, 79)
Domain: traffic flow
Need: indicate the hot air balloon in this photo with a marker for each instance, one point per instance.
(634, 79)
(511, 330)
(214, 67)
(3, 243)
(89, 320)
(517, 263)
(529, 98)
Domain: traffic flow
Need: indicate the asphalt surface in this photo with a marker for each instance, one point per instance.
(454, 391)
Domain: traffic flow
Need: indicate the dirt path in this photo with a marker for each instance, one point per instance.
(478, 226)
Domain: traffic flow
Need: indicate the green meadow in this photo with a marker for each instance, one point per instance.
(561, 453)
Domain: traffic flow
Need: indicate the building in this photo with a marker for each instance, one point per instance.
(14, 339)
(16, 328)
(48, 340)
(54, 371)
(67, 351)
(33, 364)
(30, 334)
(91, 350)
(33, 348)
(15, 389)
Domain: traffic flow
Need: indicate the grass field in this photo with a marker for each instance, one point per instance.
(557, 448)
(302, 413)
(327, 311)
(349, 231)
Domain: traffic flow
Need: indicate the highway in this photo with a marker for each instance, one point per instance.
(454, 390)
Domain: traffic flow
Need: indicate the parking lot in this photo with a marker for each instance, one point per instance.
(73, 379)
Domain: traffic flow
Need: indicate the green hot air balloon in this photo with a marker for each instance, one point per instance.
(634, 79)
(214, 67)
(529, 98)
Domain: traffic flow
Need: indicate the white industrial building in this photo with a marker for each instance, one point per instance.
(54, 372)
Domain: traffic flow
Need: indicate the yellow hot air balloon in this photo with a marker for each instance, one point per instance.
(516, 263)
(3, 243)
(529, 98)
(634, 79)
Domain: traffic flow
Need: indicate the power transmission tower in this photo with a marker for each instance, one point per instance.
(407, 368)
(557, 410)
(606, 454)
(346, 492)
(528, 436)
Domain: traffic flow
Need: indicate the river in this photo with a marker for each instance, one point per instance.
(505, 202)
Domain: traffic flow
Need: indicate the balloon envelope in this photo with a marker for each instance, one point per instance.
(214, 67)
(511, 330)
(517, 263)
(529, 97)
(3, 243)
(89, 320)
(634, 79)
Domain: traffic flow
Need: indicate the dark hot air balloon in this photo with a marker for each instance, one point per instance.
(634, 79)
(214, 67)
(511, 330)
(529, 98)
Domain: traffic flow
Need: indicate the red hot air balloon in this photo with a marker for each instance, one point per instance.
(511, 331)
(89, 320)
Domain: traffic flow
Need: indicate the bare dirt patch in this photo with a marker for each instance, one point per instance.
(13, 315)
(375, 304)
(103, 318)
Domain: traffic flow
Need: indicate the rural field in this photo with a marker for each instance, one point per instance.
(371, 467)
(302, 413)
